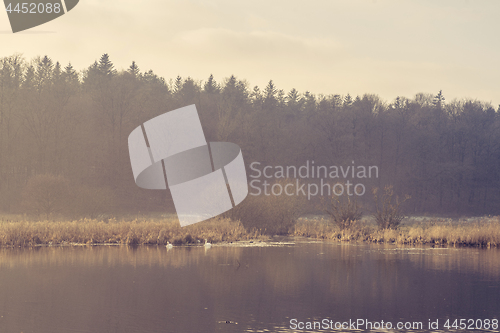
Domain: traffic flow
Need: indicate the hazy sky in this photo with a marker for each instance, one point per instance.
(384, 47)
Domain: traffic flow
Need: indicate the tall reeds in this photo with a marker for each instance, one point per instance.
(135, 232)
(483, 232)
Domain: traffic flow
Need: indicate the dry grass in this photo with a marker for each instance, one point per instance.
(483, 232)
(324, 229)
(135, 232)
(16, 232)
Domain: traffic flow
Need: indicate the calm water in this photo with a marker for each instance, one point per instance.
(193, 289)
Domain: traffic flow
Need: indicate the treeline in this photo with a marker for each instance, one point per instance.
(74, 124)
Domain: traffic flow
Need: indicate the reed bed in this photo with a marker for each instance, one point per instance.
(135, 232)
(483, 232)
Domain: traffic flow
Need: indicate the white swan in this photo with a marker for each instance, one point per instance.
(169, 245)
(207, 244)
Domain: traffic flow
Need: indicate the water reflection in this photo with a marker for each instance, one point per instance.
(195, 289)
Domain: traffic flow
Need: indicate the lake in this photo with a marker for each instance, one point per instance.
(249, 287)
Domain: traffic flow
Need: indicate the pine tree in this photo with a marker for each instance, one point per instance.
(106, 67)
(189, 91)
(270, 100)
(230, 85)
(211, 86)
(438, 100)
(69, 75)
(134, 70)
(58, 83)
(57, 69)
(43, 72)
(29, 78)
(293, 98)
(348, 100)
(256, 97)
(293, 101)
(91, 75)
(178, 84)
(309, 102)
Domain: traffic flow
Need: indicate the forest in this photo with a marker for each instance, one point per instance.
(69, 128)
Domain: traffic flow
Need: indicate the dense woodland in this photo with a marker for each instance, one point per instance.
(75, 124)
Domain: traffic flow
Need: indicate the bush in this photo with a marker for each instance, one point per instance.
(388, 215)
(343, 210)
(271, 214)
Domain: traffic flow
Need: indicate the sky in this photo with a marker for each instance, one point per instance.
(385, 47)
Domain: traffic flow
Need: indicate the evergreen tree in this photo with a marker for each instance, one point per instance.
(309, 102)
(69, 75)
(230, 85)
(58, 84)
(177, 84)
(348, 100)
(438, 100)
(134, 70)
(90, 75)
(293, 102)
(293, 98)
(43, 72)
(57, 70)
(189, 91)
(270, 100)
(256, 97)
(106, 67)
(152, 78)
(211, 86)
(29, 78)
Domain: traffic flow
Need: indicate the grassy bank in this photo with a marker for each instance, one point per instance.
(135, 232)
(15, 232)
(481, 232)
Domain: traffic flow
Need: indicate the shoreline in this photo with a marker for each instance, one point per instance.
(481, 233)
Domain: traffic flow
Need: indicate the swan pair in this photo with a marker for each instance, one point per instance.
(207, 244)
